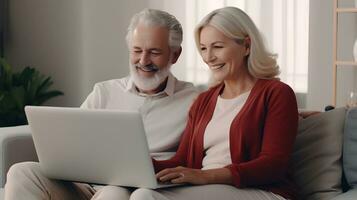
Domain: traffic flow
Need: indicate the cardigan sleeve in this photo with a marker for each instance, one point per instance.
(279, 132)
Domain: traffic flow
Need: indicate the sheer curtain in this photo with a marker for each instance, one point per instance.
(283, 23)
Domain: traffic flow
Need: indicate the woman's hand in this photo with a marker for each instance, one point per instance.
(184, 175)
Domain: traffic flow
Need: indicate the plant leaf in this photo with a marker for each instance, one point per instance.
(33, 86)
(7, 102)
(44, 86)
(7, 68)
(6, 75)
(46, 96)
(26, 76)
(27, 87)
(18, 95)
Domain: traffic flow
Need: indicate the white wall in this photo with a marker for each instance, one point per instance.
(347, 34)
(171, 7)
(320, 51)
(105, 53)
(47, 35)
(76, 42)
(80, 42)
(320, 56)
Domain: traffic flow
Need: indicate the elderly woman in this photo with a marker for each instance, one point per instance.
(240, 133)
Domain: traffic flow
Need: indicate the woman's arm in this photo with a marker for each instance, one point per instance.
(196, 176)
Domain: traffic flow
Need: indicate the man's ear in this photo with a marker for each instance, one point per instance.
(176, 54)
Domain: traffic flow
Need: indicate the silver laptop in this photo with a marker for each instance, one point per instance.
(92, 146)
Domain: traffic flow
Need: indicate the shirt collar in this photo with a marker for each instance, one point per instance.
(169, 89)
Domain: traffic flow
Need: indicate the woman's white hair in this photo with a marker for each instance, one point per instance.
(152, 17)
(236, 24)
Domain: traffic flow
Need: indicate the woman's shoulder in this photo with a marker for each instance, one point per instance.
(274, 85)
(207, 96)
(276, 92)
(211, 91)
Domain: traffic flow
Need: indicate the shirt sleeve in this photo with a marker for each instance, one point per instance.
(279, 132)
(93, 100)
(181, 156)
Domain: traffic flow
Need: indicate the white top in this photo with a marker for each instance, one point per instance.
(216, 137)
(164, 114)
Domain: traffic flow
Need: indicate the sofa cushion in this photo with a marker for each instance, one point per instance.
(350, 148)
(349, 195)
(316, 159)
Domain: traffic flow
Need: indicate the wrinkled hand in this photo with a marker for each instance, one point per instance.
(183, 175)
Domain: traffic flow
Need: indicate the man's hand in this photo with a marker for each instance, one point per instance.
(184, 175)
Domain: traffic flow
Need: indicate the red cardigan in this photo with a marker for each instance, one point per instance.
(261, 137)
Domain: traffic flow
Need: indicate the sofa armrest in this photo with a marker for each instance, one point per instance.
(16, 145)
(349, 195)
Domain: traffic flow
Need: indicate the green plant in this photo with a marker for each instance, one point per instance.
(17, 90)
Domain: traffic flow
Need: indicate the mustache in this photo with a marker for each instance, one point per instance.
(150, 67)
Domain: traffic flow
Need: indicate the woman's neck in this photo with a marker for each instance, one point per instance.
(238, 86)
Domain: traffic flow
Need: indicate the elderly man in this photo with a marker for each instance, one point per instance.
(154, 39)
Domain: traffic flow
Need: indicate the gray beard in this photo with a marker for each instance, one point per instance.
(149, 83)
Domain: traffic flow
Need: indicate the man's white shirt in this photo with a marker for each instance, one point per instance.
(164, 114)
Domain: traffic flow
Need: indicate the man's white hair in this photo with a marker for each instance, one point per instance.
(152, 17)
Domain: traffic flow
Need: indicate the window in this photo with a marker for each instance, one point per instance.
(284, 24)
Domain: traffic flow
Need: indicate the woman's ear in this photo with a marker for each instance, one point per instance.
(247, 43)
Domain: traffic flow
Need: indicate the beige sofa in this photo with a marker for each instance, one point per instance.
(16, 145)
(316, 163)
